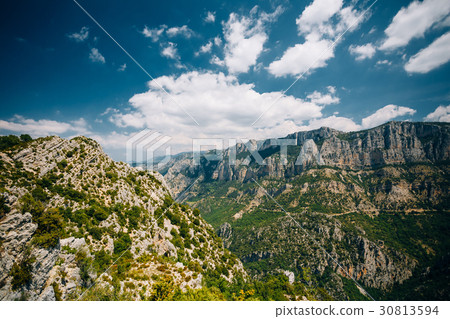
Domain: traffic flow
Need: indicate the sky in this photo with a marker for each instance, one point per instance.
(229, 70)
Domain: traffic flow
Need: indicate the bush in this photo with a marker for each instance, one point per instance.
(22, 273)
(39, 194)
(50, 228)
(122, 243)
(4, 208)
(84, 263)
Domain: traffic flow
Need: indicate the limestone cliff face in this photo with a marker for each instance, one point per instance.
(70, 213)
(390, 144)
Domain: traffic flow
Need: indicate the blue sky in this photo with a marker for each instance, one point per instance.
(219, 70)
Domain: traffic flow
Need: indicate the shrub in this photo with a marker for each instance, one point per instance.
(122, 243)
(22, 272)
(84, 263)
(50, 228)
(39, 194)
(4, 208)
(62, 165)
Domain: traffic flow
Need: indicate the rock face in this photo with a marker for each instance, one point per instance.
(390, 144)
(68, 211)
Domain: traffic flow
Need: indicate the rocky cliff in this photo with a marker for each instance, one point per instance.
(74, 224)
(393, 143)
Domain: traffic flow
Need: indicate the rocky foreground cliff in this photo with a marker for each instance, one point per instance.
(375, 200)
(74, 224)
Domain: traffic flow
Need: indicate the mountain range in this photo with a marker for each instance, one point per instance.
(316, 215)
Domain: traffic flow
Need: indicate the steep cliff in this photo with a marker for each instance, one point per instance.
(74, 224)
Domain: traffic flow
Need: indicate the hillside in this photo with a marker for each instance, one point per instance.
(376, 200)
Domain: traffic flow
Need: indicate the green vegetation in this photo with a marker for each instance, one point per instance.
(4, 208)
(50, 228)
(7, 142)
(22, 272)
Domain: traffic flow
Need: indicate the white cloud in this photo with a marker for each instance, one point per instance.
(245, 38)
(321, 23)
(155, 33)
(218, 41)
(80, 36)
(383, 62)
(385, 114)
(220, 104)
(441, 114)
(324, 99)
(210, 17)
(362, 52)
(216, 60)
(122, 67)
(302, 58)
(337, 122)
(184, 31)
(206, 48)
(413, 21)
(44, 127)
(96, 57)
(170, 51)
(433, 56)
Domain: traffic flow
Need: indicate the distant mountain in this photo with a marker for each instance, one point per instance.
(375, 200)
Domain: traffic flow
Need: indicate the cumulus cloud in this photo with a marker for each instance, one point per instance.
(184, 31)
(362, 52)
(44, 127)
(385, 114)
(321, 24)
(80, 36)
(206, 48)
(441, 114)
(432, 57)
(413, 21)
(220, 104)
(210, 17)
(218, 41)
(337, 122)
(96, 57)
(245, 38)
(155, 33)
(122, 67)
(170, 51)
(302, 58)
(324, 99)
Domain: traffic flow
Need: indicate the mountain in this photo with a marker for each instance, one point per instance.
(75, 225)
(375, 202)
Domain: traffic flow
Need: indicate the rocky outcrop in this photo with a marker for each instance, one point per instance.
(69, 211)
(390, 144)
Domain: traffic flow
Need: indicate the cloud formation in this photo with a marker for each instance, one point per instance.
(321, 24)
(170, 51)
(210, 17)
(245, 38)
(362, 52)
(80, 36)
(44, 127)
(413, 21)
(155, 33)
(385, 114)
(96, 57)
(441, 114)
(432, 57)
